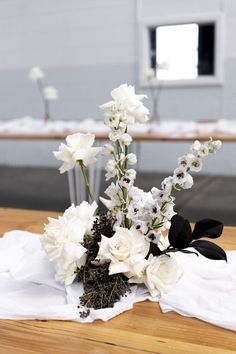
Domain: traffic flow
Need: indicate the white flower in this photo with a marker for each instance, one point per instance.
(182, 178)
(190, 162)
(216, 145)
(62, 239)
(149, 74)
(141, 226)
(128, 179)
(110, 169)
(65, 273)
(78, 148)
(50, 93)
(135, 193)
(108, 149)
(167, 184)
(65, 154)
(36, 73)
(131, 158)
(112, 120)
(111, 107)
(127, 102)
(112, 190)
(184, 161)
(161, 274)
(195, 164)
(196, 146)
(83, 212)
(203, 151)
(126, 139)
(109, 204)
(126, 250)
(117, 133)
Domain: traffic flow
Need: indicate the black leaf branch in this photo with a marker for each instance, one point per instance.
(181, 237)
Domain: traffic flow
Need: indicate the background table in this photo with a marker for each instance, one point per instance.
(137, 137)
(141, 330)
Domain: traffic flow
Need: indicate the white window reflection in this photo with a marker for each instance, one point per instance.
(177, 47)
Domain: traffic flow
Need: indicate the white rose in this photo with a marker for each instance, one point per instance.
(65, 273)
(36, 73)
(63, 238)
(50, 93)
(84, 213)
(161, 274)
(78, 148)
(126, 250)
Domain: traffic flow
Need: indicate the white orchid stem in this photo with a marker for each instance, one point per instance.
(86, 180)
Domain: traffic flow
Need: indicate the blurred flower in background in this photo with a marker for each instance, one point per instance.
(47, 93)
(154, 85)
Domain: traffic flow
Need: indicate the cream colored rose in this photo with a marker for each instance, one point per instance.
(162, 274)
(126, 250)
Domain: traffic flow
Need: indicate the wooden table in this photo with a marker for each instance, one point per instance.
(141, 330)
(138, 137)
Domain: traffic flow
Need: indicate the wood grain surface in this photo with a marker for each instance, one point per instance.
(141, 330)
(137, 137)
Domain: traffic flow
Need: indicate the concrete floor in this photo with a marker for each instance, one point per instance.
(46, 189)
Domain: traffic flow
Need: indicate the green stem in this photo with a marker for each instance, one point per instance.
(86, 180)
(45, 102)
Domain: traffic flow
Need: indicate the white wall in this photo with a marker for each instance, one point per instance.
(89, 47)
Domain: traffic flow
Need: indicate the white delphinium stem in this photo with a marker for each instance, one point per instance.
(181, 179)
(126, 108)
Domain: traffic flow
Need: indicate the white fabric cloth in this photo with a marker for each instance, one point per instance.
(29, 125)
(28, 289)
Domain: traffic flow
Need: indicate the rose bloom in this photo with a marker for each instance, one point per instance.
(126, 250)
(161, 274)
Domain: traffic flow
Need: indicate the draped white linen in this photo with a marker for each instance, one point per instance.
(28, 289)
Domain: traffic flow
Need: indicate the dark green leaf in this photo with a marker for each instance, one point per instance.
(208, 228)
(180, 233)
(209, 250)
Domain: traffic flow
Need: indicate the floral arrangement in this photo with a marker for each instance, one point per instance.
(140, 238)
(47, 93)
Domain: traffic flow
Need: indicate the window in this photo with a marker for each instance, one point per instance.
(183, 53)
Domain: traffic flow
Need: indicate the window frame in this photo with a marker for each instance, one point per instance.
(144, 48)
